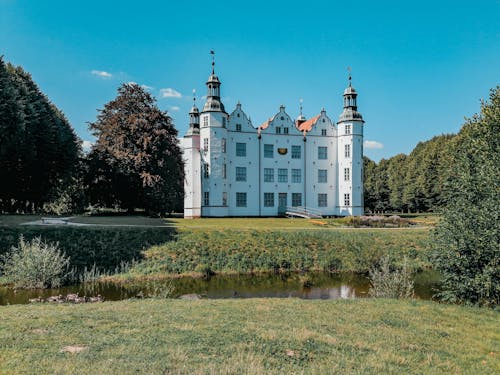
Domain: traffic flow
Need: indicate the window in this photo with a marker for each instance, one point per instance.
(347, 151)
(322, 175)
(224, 171)
(241, 199)
(206, 198)
(268, 151)
(223, 145)
(322, 200)
(285, 130)
(296, 199)
(278, 130)
(268, 199)
(268, 174)
(205, 144)
(241, 149)
(282, 175)
(205, 170)
(348, 129)
(224, 198)
(241, 173)
(347, 199)
(205, 121)
(322, 152)
(295, 152)
(347, 174)
(238, 127)
(296, 175)
(323, 132)
(223, 122)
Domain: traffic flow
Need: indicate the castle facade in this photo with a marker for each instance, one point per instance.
(235, 169)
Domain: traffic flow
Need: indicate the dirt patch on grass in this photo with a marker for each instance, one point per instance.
(74, 349)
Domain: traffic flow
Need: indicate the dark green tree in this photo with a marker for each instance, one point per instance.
(136, 161)
(467, 251)
(39, 151)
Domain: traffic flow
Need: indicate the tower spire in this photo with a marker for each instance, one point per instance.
(212, 52)
(213, 103)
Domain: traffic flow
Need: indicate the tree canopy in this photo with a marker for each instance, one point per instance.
(467, 251)
(411, 182)
(136, 161)
(39, 151)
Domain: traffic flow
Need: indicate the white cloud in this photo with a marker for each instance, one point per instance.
(87, 145)
(170, 93)
(175, 108)
(374, 145)
(146, 87)
(101, 73)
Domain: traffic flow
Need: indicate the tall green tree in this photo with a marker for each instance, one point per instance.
(39, 151)
(467, 251)
(136, 161)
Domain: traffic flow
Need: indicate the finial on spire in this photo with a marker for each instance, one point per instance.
(301, 101)
(349, 75)
(212, 52)
(194, 97)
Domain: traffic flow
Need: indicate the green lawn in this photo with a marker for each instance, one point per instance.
(256, 336)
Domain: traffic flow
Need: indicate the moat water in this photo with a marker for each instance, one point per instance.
(322, 286)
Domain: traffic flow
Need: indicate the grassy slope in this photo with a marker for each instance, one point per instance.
(244, 251)
(250, 336)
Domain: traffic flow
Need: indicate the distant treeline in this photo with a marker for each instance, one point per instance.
(410, 183)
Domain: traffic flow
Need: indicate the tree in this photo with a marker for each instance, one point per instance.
(136, 161)
(39, 151)
(466, 240)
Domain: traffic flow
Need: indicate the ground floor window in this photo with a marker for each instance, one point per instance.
(206, 198)
(322, 200)
(347, 199)
(241, 199)
(224, 199)
(296, 199)
(268, 199)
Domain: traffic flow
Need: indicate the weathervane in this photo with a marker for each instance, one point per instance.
(212, 52)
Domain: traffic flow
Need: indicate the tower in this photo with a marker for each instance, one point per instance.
(350, 156)
(213, 138)
(192, 164)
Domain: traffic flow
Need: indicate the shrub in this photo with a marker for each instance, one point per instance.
(466, 250)
(35, 264)
(391, 283)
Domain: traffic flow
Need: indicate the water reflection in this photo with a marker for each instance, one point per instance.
(324, 286)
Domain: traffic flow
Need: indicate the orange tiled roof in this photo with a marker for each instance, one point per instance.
(308, 124)
(266, 123)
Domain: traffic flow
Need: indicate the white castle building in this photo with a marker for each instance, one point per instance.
(234, 169)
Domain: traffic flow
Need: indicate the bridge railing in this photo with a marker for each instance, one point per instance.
(303, 212)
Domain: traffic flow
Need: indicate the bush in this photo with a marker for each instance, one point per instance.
(391, 283)
(466, 250)
(35, 264)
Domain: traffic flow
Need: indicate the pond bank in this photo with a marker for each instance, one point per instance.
(314, 285)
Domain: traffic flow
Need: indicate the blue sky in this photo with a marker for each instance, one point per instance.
(419, 66)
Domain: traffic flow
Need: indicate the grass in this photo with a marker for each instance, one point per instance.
(278, 336)
(247, 251)
(106, 247)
